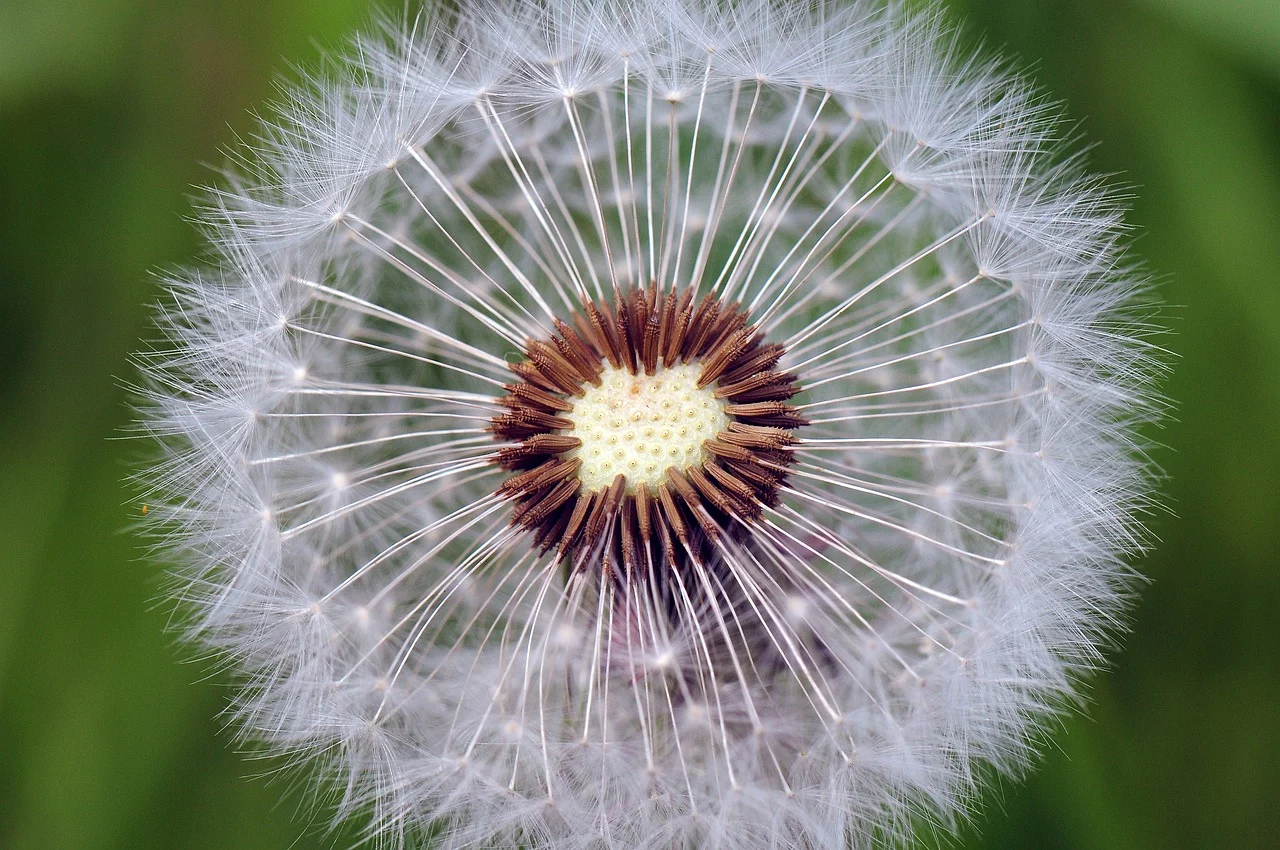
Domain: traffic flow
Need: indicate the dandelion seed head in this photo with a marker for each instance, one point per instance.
(662, 424)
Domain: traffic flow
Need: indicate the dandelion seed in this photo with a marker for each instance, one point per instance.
(662, 424)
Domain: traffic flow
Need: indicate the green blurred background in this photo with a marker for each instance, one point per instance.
(110, 735)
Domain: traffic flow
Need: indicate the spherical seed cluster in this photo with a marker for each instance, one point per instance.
(637, 425)
(903, 550)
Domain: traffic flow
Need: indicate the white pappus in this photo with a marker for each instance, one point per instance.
(666, 423)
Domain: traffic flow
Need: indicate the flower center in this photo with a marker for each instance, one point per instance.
(638, 425)
(643, 431)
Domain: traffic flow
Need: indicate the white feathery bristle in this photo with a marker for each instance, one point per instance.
(945, 558)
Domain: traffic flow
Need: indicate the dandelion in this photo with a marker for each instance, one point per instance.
(656, 424)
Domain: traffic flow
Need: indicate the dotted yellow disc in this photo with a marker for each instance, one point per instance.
(638, 425)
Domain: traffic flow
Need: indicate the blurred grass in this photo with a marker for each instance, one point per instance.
(107, 107)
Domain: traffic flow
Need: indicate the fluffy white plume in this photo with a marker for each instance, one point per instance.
(945, 558)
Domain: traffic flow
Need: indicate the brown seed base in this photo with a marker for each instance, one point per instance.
(692, 508)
